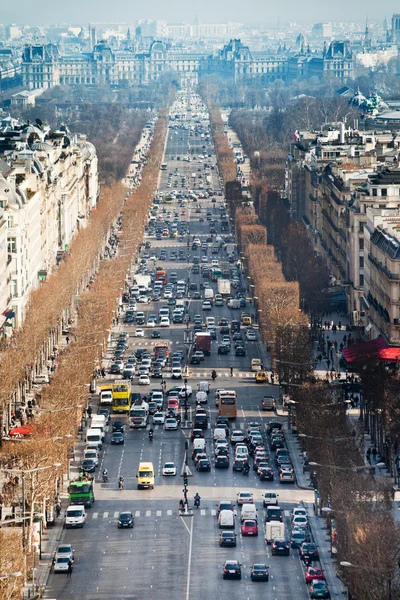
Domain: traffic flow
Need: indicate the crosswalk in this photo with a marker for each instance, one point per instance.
(149, 514)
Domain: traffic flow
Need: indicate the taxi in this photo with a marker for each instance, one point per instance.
(261, 377)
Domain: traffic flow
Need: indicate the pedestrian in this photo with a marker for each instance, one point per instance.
(117, 320)
(89, 411)
(369, 455)
(374, 452)
(67, 339)
(340, 324)
(69, 570)
(103, 372)
(328, 363)
(231, 371)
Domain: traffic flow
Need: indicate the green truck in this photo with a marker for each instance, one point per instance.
(81, 492)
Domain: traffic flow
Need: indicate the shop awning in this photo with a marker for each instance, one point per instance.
(365, 350)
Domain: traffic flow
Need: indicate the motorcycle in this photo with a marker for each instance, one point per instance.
(197, 501)
(246, 470)
(214, 375)
(121, 484)
(105, 477)
(150, 436)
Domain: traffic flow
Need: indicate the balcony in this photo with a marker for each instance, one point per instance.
(383, 269)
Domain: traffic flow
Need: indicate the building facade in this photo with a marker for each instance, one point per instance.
(48, 187)
(43, 66)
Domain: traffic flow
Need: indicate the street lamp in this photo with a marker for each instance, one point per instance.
(334, 439)
(353, 469)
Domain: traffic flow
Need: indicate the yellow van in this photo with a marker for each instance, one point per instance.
(145, 475)
(246, 320)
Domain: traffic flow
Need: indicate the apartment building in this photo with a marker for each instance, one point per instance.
(345, 187)
(48, 187)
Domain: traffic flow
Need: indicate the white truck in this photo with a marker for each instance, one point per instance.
(144, 280)
(138, 415)
(230, 249)
(224, 287)
(274, 530)
(209, 294)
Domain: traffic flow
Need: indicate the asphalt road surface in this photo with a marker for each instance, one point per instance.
(166, 555)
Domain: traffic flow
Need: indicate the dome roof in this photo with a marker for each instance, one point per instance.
(41, 147)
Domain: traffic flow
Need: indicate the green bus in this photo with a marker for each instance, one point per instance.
(81, 492)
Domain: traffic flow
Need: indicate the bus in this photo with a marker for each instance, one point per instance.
(121, 397)
(81, 492)
(161, 275)
(168, 199)
(227, 404)
(164, 166)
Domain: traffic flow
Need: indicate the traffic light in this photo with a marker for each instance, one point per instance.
(185, 480)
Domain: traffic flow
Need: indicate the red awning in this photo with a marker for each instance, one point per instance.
(21, 431)
(389, 354)
(365, 350)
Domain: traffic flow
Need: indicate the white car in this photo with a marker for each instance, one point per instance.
(164, 322)
(151, 323)
(139, 333)
(204, 259)
(251, 336)
(169, 468)
(143, 299)
(176, 373)
(93, 454)
(206, 305)
(61, 564)
(158, 418)
(144, 380)
(170, 424)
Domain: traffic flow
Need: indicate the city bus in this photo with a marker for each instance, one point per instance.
(121, 397)
(161, 275)
(227, 404)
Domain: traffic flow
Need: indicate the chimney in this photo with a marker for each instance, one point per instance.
(342, 133)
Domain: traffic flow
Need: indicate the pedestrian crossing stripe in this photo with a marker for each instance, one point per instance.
(105, 515)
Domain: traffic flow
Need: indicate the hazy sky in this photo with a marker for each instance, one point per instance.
(209, 11)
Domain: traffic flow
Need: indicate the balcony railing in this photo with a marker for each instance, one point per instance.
(383, 269)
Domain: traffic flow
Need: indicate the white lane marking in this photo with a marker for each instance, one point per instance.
(202, 512)
(169, 513)
(287, 513)
(95, 515)
(137, 513)
(116, 513)
(105, 515)
(213, 512)
(148, 513)
(189, 559)
(159, 513)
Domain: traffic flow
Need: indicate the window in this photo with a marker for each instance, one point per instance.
(11, 245)
(374, 192)
(383, 192)
(361, 244)
(361, 261)
(10, 222)
(362, 225)
(361, 280)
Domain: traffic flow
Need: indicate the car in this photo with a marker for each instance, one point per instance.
(65, 551)
(125, 519)
(158, 418)
(169, 468)
(170, 424)
(199, 354)
(203, 464)
(319, 589)
(150, 323)
(115, 369)
(300, 520)
(309, 551)
(261, 377)
(249, 527)
(251, 336)
(155, 334)
(88, 465)
(297, 538)
(244, 498)
(139, 333)
(118, 426)
(117, 438)
(144, 380)
(156, 371)
(313, 573)
(240, 351)
(265, 473)
(61, 564)
(239, 463)
(237, 436)
(259, 572)
(165, 322)
(176, 373)
(224, 349)
(280, 546)
(222, 462)
(196, 434)
(206, 305)
(232, 569)
(286, 476)
(227, 539)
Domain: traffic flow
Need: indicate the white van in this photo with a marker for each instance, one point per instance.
(201, 398)
(249, 511)
(226, 519)
(98, 421)
(203, 386)
(75, 516)
(199, 444)
(241, 451)
(219, 434)
(274, 530)
(99, 427)
(208, 294)
(94, 436)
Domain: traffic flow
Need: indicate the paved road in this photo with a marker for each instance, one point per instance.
(166, 555)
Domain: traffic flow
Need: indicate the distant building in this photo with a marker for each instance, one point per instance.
(395, 34)
(25, 98)
(322, 30)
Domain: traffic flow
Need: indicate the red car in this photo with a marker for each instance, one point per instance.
(249, 527)
(314, 573)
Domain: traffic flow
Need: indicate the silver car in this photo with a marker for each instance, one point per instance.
(65, 551)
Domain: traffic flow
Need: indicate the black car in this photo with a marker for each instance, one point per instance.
(88, 465)
(266, 473)
(224, 330)
(222, 462)
(309, 551)
(115, 369)
(227, 539)
(155, 334)
(118, 427)
(259, 572)
(117, 438)
(240, 351)
(280, 546)
(125, 519)
(232, 569)
(129, 318)
(238, 464)
(203, 465)
(195, 360)
(223, 349)
(156, 371)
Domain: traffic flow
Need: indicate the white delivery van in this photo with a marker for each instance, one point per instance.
(75, 516)
(203, 386)
(201, 398)
(199, 444)
(226, 519)
(98, 421)
(93, 436)
(241, 451)
(99, 427)
(208, 294)
(270, 499)
(274, 530)
(249, 511)
(219, 434)
(234, 303)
